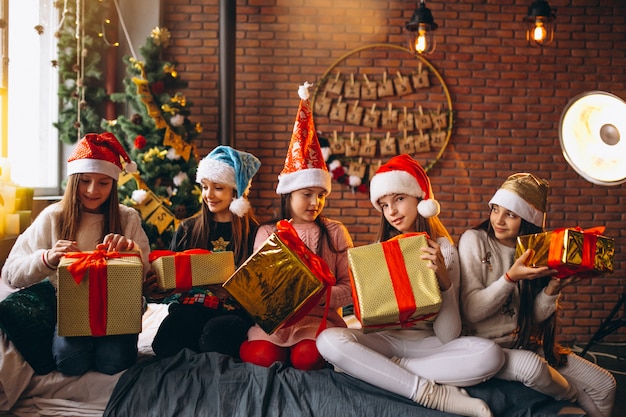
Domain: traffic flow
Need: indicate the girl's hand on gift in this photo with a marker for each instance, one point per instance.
(54, 254)
(557, 284)
(151, 288)
(519, 271)
(115, 242)
(432, 253)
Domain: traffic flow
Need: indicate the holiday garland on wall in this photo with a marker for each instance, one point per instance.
(159, 137)
(376, 102)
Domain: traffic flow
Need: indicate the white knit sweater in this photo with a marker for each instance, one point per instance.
(490, 303)
(24, 265)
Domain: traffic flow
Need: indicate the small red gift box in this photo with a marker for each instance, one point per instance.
(191, 268)
(99, 293)
(281, 282)
(571, 251)
(392, 287)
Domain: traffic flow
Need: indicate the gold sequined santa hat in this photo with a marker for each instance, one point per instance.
(525, 195)
(99, 154)
(304, 165)
(404, 175)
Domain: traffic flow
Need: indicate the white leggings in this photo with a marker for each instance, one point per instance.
(579, 380)
(461, 362)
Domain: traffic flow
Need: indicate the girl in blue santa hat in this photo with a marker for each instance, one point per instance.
(225, 223)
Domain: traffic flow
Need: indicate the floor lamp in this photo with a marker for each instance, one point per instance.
(590, 133)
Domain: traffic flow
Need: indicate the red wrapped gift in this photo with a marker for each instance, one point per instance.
(191, 268)
(571, 251)
(392, 287)
(282, 281)
(99, 293)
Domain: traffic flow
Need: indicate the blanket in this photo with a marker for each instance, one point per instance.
(211, 384)
(28, 318)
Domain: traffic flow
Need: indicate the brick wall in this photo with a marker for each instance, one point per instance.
(507, 100)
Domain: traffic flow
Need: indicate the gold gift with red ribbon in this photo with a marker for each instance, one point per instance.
(99, 293)
(392, 287)
(281, 281)
(191, 268)
(571, 251)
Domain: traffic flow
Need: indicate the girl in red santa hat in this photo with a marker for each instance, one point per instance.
(88, 217)
(303, 185)
(427, 363)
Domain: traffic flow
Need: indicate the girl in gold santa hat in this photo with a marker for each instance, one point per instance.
(515, 305)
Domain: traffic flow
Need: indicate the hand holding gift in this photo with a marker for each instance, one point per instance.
(521, 271)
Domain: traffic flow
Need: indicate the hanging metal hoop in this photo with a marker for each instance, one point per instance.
(386, 46)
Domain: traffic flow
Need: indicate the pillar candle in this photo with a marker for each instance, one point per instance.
(12, 225)
(2, 221)
(8, 197)
(5, 170)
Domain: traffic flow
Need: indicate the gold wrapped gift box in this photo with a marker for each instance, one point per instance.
(276, 284)
(194, 268)
(84, 310)
(392, 287)
(571, 251)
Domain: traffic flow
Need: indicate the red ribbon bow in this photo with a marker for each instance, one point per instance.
(557, 246)
(182, 265)
(96, 264)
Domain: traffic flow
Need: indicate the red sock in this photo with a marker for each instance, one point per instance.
(306, 357)
(262, 353)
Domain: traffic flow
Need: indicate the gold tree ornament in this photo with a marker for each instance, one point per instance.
(161, 36)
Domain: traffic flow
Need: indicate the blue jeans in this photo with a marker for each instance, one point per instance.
(107, 354)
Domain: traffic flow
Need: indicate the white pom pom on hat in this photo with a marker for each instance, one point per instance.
(404, 175)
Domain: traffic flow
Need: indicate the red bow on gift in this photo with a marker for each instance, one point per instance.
(182, 265)
(96, 264)
(555, 252)
(286, 232)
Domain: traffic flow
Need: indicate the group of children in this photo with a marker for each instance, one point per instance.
(497, 317)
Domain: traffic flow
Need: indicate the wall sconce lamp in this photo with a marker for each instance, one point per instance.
(540, 24)
(420, 30)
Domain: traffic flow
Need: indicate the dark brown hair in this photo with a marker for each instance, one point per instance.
(241, 227)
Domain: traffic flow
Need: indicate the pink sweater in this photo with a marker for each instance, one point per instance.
(341, 292)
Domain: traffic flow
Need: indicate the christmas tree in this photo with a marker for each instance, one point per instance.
(80, 48)
(159, 136)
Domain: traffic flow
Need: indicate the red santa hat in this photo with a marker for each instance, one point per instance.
(304, 165)
(404, 175)
(99, 154)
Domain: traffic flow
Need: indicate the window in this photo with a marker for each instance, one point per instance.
(32, 143)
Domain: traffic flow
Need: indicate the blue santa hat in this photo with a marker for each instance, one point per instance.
(229, 166)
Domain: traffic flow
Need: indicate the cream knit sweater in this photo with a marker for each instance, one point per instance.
(24, 265)
(490, 303)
